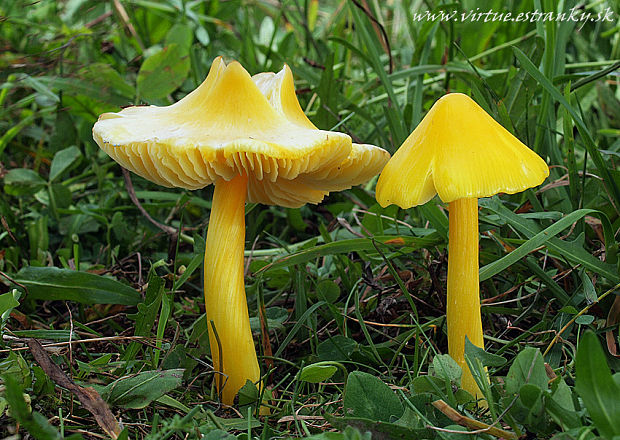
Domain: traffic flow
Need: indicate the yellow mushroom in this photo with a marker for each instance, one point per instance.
(461, 153)
(250, 138)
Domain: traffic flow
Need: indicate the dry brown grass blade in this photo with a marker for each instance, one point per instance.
(132, 195)
(120, 9)
(479, 427)
(262, 314)
(90, 399)
(613, 317)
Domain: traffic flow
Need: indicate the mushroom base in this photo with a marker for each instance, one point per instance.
(232, 349)
(463, 303)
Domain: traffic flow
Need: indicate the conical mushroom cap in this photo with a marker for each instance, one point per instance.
(235, 124)
(458, 151)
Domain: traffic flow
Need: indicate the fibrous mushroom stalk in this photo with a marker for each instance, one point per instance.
(224, 287)
(463, 307)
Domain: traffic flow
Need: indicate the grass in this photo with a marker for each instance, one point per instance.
(354, 338)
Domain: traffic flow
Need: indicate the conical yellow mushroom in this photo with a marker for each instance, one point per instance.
(461, 153)
(250, 138)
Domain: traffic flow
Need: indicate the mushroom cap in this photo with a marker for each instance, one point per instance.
(458, 151)
(236, 124)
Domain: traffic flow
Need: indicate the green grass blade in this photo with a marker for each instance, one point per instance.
(596, 386)
(608, 180)
(573, 252)
(537, 240)
(351, 245)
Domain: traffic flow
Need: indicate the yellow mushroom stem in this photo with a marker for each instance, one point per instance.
(463, 308)
(224, 285)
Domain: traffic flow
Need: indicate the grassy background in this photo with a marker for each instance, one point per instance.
(356, 327)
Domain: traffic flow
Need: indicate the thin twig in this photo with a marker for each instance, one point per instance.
(132, 195)
(81, 341)
(5, 225)
(342, 222)
(381, 29)
(14, 282)
(574, 318)
(98, 20)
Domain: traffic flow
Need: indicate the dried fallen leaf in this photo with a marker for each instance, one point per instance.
(613, 317)
(480, 427)
(90, 399)
(550, 373)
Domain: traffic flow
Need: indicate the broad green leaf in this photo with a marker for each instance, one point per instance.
(92, 87)
(63, 161)
(367, 396)
(528, 408)
(248, 394)
(65, 132)
(429, 384)
(477, 360)
(584, 319)
(8, 301)
(202, 35)
(487, 359)
(109, 81)
(560, 405)
(528, 367)
(276, 316)
(530, 396)
(318, 372)
(59, 197)
(589, 291)
(596, 387)
(22, 181)
(336, 348)
(446, 368)
(175, 358)
(163, 72)
(328, 291)
(52, 283)
(138, 391)
(182, 35)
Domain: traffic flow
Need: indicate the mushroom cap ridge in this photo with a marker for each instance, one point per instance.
(235, 124)
(458, 151)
